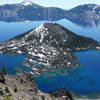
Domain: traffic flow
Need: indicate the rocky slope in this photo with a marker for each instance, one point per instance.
(86, 15)
(49, 45)
(21, 87)
(87, 11)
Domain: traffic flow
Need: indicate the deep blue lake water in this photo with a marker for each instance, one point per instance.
(12, 62)
(82, 79)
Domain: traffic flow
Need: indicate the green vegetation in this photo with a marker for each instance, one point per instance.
(36, 64)
(3, 70)
(7, 98)
(7, 90)
(2, 78)
(15, 89)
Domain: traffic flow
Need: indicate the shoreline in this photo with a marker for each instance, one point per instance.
(22, 87)
(27, 90)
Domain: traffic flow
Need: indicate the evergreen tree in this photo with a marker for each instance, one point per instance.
(4, 70)
(2, 78)
(7, 90)
(15, 89)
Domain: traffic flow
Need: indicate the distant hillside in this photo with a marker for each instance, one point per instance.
(28, 11)
(87, 14)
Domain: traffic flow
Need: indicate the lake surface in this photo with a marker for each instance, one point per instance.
(12, 62)
(9, 30)
(82, 79)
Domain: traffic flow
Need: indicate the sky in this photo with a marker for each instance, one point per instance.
(65, 4)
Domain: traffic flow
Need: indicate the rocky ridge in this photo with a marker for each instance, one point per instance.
(21, 87)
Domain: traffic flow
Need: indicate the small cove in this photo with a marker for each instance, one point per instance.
(12, 63)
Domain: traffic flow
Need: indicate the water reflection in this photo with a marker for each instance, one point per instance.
(85, 23)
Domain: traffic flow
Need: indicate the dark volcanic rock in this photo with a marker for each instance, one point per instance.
(62, 93)
(49, 44)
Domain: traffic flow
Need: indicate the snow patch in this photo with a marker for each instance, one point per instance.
(19, 52)
(98, 47)
(34, 69)
(32, 72)
(68, 63)
(26, 3)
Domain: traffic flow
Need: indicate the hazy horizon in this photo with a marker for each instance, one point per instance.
(65, 4)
